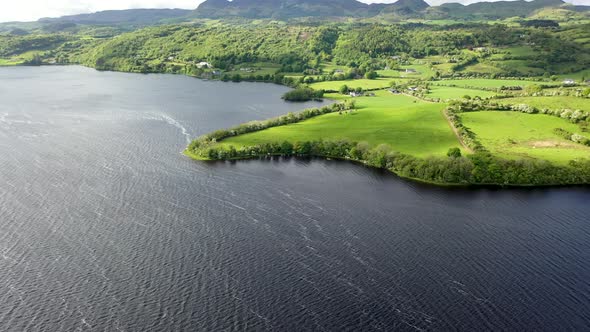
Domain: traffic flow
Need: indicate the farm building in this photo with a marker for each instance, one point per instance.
(569, 81)
(204, 64)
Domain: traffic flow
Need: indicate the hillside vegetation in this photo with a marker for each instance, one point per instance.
(445, 51)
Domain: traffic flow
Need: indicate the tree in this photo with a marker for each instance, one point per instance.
(343, 89)
(302, 148)
(533, 89)
(371, 75)
(454, 153)
(236, 78)
(287, 148)
(278, 78)
(35, 60)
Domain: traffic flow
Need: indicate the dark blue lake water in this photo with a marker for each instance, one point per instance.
(105, 226)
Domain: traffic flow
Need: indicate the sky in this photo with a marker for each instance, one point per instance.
(30, 10)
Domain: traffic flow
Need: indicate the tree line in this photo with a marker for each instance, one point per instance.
(480, 168)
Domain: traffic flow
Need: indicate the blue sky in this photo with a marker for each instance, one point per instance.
(29, 10)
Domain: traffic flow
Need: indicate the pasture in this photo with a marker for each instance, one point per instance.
(485, 83)
(554, 103)
(365, 84)
(406, 124)
(446, 93)
(516, 135)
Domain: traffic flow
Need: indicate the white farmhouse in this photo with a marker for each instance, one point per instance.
(204, 64)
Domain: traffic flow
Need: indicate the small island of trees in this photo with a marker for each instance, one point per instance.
(304, 94)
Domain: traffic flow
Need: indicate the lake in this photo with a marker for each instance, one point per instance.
(106, 226)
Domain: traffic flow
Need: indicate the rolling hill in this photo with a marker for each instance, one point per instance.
(318, 9)
(494, 10)
(304, 8)
(114, 17)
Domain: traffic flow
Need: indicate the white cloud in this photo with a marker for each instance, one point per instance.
(29, 10)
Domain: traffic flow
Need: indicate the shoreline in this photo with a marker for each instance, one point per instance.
(195, 157)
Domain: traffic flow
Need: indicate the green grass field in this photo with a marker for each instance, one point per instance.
(328, 67)
(423, 71)
(408, 125)
(487, 83)
(444, 67)
(520, 51)
(258, 68)
(18, 59)
(560, 102)
(446, 92)
(366, 84)
(391, 73)
(482, 68)
(577, 75)
(519, 136)
(521, 66)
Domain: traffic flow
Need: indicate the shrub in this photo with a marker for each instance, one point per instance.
(454, 153)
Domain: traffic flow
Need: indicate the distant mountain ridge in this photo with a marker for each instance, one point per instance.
(128, 16)
(290, 9)
(281, 9)
(303, 8)
(496, 10)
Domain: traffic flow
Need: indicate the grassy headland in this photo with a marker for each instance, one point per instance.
(412, 138)
(409, 125)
